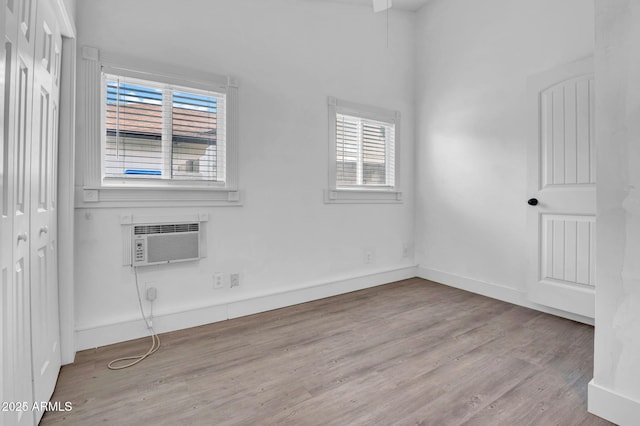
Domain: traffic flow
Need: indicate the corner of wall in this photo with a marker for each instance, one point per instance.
(495, 291)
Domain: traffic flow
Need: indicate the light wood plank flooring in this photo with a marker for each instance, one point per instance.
(412, 352)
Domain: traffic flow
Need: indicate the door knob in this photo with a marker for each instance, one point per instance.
(22, 237)
(44, 229)
(532, 201)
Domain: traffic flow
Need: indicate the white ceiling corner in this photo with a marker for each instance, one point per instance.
(410, 5)
(380, 5)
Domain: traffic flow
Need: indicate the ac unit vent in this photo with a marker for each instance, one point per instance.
(166, 229)
(165, 243)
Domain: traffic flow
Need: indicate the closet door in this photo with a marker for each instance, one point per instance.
(6, 226)
(18, 90)
(45, 332)
(29, 320)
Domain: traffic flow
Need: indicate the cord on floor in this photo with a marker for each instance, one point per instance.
(155, 339)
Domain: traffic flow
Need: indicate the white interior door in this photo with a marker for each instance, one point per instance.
(16, 312)
(29, 343)
(45, 331)
(6, 225)
(561, 187)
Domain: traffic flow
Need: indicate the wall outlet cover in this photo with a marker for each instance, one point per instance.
(152, 294)
(235, 280)
(218, 280)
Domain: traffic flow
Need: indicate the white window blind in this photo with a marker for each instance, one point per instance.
(365, 152)
(160, 131)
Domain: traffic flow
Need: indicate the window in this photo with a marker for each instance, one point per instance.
(363, 145)
(155, 134)
(157, 131)
(364, 152)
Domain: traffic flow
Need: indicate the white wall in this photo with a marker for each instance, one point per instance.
(473, 60)
(615, 390)
(70, 7)
(288, 56)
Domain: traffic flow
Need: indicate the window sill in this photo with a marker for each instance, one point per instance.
(114, 196)
(362, 196)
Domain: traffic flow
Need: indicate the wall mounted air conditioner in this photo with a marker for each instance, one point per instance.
(155, 244)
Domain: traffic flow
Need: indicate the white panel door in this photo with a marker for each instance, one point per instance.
(561, 189)
(45, 332)
(5, 231)
(18, 90)
(6, 226)
(29, 340)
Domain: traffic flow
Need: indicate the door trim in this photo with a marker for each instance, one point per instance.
(66, 201)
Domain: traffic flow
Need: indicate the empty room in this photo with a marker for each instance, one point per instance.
(310, 212)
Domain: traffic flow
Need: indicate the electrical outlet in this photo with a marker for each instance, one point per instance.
(152, 294)
(407, 250)
(218, 280)
(235, 280)
(369, 256)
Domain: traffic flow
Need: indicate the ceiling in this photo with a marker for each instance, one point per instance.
(411, 5)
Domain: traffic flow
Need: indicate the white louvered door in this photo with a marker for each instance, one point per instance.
(561, 179)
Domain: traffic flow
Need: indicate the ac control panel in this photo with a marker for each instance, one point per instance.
(139, 250)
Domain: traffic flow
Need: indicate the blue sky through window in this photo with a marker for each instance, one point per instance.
(124, 93)
(131, 93)
(194, 101)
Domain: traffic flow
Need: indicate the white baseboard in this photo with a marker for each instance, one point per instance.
(612, 406)
(94, 336)
(495, 291)
(101, 335)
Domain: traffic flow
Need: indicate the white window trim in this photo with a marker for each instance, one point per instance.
(92, 192)
(361, 194)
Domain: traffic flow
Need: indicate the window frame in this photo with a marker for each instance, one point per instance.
(361, 193)
(94, 191)
(167, 88)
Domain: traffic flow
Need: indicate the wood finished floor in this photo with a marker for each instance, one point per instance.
(412, 352)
